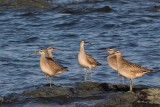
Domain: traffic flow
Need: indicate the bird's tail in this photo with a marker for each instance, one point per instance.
(148, 70)
(65, 69)
(98, 64)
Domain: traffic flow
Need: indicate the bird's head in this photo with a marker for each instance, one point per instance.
(42, 51)
(52, 49)
(110, 51)
(118, 53)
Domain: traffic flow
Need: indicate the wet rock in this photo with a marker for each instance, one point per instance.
(154, 8)
(104, 9)
(87, 94)
(41, 4)
(8, 99)
(84, 9)
(151, 95)
(122, 98)
(157, 8)
(95, 86)
(89, 86)
(47, 92)
(112, 87)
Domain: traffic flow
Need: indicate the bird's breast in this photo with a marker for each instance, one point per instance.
(112, 63)
(83, 60)
(45, 68)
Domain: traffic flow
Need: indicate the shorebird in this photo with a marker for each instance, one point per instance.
(112, 61)
(128, 69)
(49, 51)
(49, 66)
(50, 56)
(86, 60)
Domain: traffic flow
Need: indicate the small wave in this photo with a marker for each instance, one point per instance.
(26, 14)
(67, 24)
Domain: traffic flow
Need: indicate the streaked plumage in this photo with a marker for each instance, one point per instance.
(49, 52)
(86, 60)
(92, 61)
(57, 67)
(49, 66)
(128, 69)
(111, 60)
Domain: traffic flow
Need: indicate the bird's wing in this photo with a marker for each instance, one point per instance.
(91, 60)
(135, 68)
(56, 67)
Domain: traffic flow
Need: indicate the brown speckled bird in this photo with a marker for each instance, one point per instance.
(49, 66)
(128, 69)
(86, 60)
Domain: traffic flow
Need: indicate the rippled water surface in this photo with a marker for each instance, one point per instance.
(130, 27)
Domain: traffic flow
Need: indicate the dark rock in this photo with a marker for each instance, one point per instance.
(84, 9)
(86, 94)
(154, 8)
(151, 95)
(41, 4)
(8, 99)
(104, 9)
(121, 98)
(47, 92)
(89, 86)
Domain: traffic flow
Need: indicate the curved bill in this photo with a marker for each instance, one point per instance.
(57, 49)
(88, 42)
(35, 52)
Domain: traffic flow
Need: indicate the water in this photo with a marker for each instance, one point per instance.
(130, 27)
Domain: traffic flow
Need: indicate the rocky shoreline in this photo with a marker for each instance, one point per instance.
(72, 8)
(40, 4)
(79, 94)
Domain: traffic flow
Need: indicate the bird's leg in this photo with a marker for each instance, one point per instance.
(131, 85)
(122, 79)
(91, 74)
(118, 74)
(85, 74)
(47, 76)
(51, 81)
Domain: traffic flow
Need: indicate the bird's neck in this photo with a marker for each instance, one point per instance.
(82, 49)
(119, 62)
(50, 55)
(43, 57)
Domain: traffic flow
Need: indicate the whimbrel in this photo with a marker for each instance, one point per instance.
(86, 60)
(49, 51)
(112, 61)
(128, 69)
(50, 56)
(49, 66)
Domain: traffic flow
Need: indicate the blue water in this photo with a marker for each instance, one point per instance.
(130, 27)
